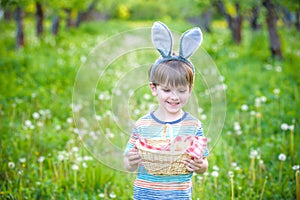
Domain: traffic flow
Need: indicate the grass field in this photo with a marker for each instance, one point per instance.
(256, 157)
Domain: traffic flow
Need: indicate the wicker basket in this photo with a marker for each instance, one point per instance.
(160, 162)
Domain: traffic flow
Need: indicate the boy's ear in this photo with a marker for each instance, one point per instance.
(153, 89)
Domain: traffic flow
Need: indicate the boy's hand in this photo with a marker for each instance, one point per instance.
(196, 165)
(132, 159)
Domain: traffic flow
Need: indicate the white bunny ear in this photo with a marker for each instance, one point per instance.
(162, 39)
(190, 42)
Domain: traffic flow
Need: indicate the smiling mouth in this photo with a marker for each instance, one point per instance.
(174, 103)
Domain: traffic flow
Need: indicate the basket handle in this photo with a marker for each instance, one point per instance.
(164, 133)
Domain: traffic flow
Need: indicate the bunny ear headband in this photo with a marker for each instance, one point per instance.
(162, 40)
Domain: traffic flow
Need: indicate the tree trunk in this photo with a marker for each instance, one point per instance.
(234, 23)
(287, 16)
(20, 29)
(79, 18)
(297, 23)
(275, 44)
(86, 15)
(206, 16)
(7, 15)
(254, 18)
(39, 19)
(69, 17)
(55, 25)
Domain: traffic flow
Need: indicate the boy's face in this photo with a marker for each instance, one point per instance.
(171, 99)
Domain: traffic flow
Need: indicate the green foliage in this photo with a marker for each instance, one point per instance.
(146, 10)
(42, 157)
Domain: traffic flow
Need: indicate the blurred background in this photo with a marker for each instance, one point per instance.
(254, 43)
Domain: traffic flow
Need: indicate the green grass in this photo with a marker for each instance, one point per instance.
(39, 155)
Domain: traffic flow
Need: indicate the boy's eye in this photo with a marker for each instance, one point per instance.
(166, 90)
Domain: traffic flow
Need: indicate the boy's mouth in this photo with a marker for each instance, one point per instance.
(173, 103)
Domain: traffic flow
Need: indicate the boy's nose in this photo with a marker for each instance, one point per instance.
(174, 95)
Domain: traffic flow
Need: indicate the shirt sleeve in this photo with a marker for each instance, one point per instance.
(132, 140)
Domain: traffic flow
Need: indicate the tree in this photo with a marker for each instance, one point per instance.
(19, 15)
(271, 19)
(294, 7)
(203, 15)
(39, 18)
(86, 14)
(17, 6)
(234, 22)
(254, 17)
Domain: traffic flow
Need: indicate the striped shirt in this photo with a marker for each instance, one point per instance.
(147, 186)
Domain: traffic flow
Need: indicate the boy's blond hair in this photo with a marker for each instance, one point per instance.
(173, 73)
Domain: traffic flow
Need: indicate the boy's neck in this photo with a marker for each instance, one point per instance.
(168, 117)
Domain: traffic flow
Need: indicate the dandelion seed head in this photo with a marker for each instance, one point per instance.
(239, 132)
(200, 110)
(228, 133)
(79, 159)
(263, 99)
(33, 95)
(205, 174)
(296, 167)
(291, 127)
(84, 165)
(137, 111)
(28, 123)
(75, 167)
(101, 195)
(69, 120)
(236, 126)
(215, 168)
(284, 126)
(40, 124)
(104, 96)
(58, 127)
(87, 158)
(261, 162)
(41, 159)
(75, 149)
(276, 91)
(98, 117)
(233, 164)
(257, 102)
(147, 96)
(230, 174)
(278, 69)
(203, 117)
(22, 160)
(244, 107)
(36, 115)
(237, 168)
(253, 153)
(221, 78)
(76, 107)
(215, 174)
(282, 157)
(11, 165)
(268, 67)
(60, 157)
(112, 195)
